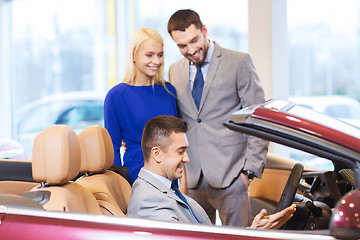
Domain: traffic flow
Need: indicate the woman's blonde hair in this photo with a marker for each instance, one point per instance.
(137, 38)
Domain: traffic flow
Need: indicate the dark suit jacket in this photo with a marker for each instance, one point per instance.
(231, 84)
(151, 199)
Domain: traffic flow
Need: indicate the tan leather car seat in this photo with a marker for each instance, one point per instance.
(56, 161)
(111, 190)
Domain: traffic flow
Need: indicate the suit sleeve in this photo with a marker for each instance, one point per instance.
(251, 92)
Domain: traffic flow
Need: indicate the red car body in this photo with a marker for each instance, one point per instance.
(29, 224)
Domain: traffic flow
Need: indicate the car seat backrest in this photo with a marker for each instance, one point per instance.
(56, 161)
(56, 155)
(97, 152)
(111, 190)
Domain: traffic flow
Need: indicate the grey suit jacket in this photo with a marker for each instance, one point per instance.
(231, 84)
(151, 199)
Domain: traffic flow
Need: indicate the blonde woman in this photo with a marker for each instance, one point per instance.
(142, 95)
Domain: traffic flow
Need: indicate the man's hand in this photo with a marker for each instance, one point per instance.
(245, 180)
(123, 145)
(273, 221)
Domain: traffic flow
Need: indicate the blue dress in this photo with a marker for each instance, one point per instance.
(126, 110)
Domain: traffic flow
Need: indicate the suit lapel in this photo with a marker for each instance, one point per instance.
(187, 89)
(214, 64)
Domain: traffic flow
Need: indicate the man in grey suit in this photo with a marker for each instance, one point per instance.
(223, 162)
(164, 144)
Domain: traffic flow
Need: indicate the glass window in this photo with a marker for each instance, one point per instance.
(57, 47)
(324, 47)
(68, 46)
(61, 48)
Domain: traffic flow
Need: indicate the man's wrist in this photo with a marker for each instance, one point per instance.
(249, 174)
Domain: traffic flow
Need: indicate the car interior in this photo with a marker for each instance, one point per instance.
(71, 173)
(16, 176)
(56, 162)
(317, 191)
(111, 190)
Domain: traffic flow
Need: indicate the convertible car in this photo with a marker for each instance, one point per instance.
(68, 191)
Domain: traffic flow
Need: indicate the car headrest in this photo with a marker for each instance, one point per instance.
(97, 152)
(56, 155)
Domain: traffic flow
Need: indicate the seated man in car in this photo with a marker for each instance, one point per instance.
(164, 146)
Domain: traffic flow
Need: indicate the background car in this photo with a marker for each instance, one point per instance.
(75, 109)
(11, 149)
(341, 107)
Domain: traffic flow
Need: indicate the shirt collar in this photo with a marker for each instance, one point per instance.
(162, 179)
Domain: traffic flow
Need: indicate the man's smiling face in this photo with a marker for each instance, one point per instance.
(174, 157)
(192, 43)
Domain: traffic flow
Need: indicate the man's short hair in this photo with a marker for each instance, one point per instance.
(157, 131)
(182, 19)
